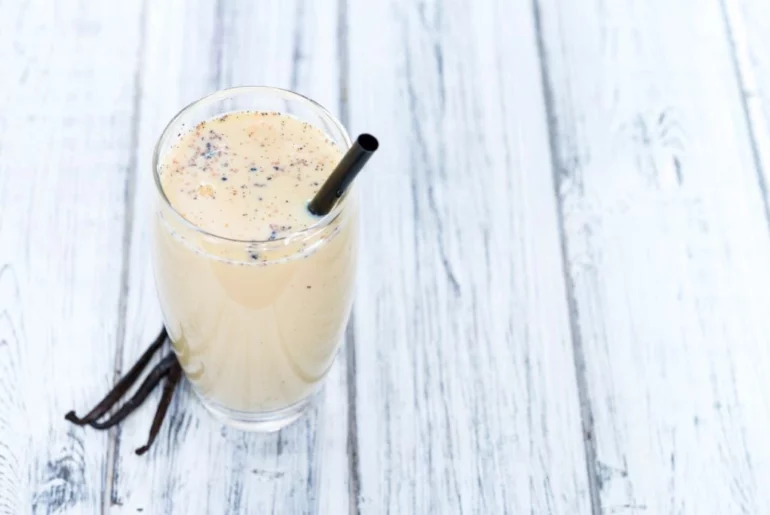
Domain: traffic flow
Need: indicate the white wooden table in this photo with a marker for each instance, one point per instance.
(566, 311)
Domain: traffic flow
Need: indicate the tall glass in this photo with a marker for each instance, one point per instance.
(255, 339)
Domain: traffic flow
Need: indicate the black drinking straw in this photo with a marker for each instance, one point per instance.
(352, 163)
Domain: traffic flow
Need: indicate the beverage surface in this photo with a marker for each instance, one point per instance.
(248, 175)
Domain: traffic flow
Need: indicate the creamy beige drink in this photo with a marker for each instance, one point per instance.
(255, 290)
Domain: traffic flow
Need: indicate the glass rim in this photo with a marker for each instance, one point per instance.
(222, 94)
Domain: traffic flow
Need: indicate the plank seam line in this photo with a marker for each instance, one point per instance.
(296, 55)
(354, 487)
(586, 411)
(217, 44)
(741, 83)
(354, 484)
(129, 195)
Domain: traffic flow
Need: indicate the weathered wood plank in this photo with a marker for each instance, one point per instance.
(668, 251)
(749, 31)
(467, 400)
(197, 466)
(66, 89)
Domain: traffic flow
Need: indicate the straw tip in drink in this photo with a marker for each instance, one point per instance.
(368, 142)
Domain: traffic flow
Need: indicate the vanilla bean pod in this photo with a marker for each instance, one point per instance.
(168, 367)
(168, 392)
(160, 371)
(123, 385)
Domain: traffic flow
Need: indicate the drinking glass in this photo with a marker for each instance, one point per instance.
(255, 339)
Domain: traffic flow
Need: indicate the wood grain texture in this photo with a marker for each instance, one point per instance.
(197, 466)
(749, 30)
(65, 130)
(465, 384)
(668, 252)
(565, 260)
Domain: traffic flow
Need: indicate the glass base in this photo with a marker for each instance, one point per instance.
(261, 422)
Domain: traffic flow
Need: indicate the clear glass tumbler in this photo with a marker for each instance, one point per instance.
(255, 339)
